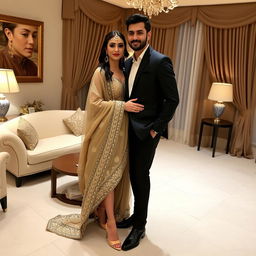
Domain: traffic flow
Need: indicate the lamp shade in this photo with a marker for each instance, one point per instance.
(221, 92)
(8, 82)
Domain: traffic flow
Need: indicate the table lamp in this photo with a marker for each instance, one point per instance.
(220, 92)
(8, 84)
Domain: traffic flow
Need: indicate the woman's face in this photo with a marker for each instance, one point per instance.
(24, 38)
(115, 48)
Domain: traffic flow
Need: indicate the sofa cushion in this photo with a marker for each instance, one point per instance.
(75, 122)
(27, 133)
(53, 147)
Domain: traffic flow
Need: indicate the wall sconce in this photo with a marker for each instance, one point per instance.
(8, 84)
(220, 92)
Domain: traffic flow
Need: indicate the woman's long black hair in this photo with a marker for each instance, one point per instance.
(105, 65)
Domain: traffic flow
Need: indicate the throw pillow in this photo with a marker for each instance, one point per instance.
(75, 122)
(27, 133)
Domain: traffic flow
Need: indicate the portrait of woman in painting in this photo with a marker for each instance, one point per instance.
(19, 48)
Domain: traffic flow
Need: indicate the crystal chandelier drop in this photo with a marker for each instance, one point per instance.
(153, 7)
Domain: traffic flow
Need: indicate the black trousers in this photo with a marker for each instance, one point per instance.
(141, 155)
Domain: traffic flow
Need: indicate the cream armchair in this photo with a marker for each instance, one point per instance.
(55, 140)
(4, 157)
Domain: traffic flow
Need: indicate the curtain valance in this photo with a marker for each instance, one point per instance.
(220, 16)
(228, 16)
(175, 17)
(98, 11)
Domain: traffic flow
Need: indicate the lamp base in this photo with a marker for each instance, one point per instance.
(218, 109)
(3, 119)
(4, 107)
(216, 120)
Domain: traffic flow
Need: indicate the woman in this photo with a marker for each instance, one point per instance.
(103, 165)
(21, 39)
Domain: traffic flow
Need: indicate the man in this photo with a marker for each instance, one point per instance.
(149, 79)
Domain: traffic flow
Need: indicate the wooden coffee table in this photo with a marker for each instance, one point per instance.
(67, 165)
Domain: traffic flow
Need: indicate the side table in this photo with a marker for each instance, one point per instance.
(64, 165)
(216, 125)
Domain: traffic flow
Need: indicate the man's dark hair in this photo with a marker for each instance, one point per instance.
(136, 18)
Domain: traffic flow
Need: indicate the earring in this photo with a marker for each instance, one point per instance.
(106, 59)
(10, 50)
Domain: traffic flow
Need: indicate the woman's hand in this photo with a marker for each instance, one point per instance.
(131, 106)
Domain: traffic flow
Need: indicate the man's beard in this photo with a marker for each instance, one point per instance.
(139, 47)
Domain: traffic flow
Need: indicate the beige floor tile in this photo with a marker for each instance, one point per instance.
(237, 211)
(49, 250)
(199, 206)
(22, 232)
(232, 238)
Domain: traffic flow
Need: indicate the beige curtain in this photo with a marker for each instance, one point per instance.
(231, 57)
(165, 33)
(164, 40)
(165, 29)
(201, 107)
(85, 22)
(188, 69)
(227, 16)
(83, 35)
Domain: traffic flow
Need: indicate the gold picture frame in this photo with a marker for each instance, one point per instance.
(34, 58)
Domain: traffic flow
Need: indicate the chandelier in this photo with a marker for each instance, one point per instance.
(153, 7)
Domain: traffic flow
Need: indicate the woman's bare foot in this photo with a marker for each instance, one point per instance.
(101, 216)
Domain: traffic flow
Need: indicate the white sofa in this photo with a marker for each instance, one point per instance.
(4, 157)
(55, 140)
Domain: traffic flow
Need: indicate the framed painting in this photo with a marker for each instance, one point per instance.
(21, 47)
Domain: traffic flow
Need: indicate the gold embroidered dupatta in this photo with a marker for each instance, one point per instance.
(103, 162)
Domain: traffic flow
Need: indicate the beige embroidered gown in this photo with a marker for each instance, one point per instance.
(103, 163)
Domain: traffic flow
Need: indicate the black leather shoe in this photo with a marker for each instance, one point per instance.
(133, 239)
(125, 223)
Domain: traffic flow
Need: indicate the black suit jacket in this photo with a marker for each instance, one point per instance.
(155, 87)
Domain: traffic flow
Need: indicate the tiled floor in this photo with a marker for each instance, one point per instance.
(199, 206)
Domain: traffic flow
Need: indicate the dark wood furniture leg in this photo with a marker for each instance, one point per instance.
(53, 183)
(18, 181)
(200, 136)
(214, 139)
(4, 203)
(213, 136)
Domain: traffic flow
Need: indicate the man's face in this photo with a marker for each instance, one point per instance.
(137, 36)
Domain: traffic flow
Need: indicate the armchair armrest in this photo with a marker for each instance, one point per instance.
(4, 157)
(11, 143)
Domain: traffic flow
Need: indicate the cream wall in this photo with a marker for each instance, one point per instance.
(49, 91)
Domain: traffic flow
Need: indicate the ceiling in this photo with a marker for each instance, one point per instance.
(122, 3)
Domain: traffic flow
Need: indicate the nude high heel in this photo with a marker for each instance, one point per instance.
(115, 244)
